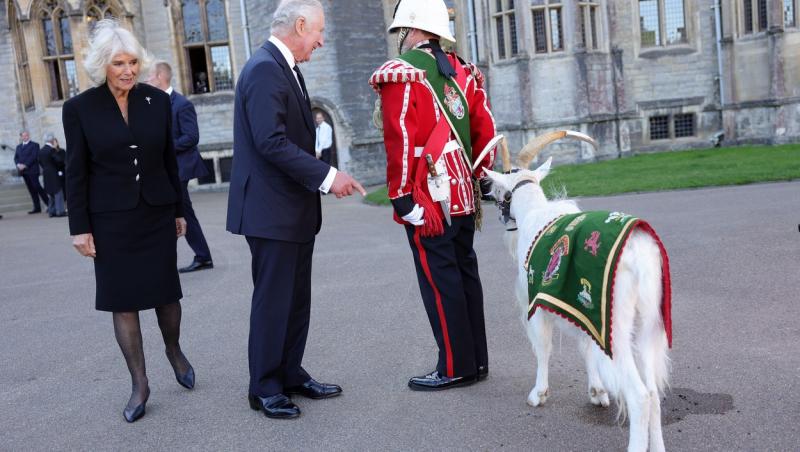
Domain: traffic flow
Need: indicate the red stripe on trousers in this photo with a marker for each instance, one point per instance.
(423, 259)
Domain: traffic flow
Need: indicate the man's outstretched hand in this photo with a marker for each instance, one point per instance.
(344, 185)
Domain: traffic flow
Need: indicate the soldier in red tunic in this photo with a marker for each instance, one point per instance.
(436, 121)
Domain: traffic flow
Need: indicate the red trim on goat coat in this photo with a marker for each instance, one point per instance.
(666, 281)
(666, 288)
(423, 259)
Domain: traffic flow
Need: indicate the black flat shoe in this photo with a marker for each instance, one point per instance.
(483, 372)
(197, 265)
(315, 390)
(275, 407)
(186, 380)
(34, 211)
(436, 382)
(134, 414)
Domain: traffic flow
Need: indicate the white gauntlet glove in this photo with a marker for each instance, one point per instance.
(415, 216)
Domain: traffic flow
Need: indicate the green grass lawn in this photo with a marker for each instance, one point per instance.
(668, 171)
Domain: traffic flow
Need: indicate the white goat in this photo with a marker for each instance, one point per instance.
(638, 373)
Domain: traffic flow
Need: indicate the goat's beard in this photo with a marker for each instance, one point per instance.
(401, 40)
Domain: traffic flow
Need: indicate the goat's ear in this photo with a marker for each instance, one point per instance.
(498, 180)
(542, 171)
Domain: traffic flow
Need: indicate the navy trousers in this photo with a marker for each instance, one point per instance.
(194, 233)
(447, 272)
(35, 189)
(279, 314)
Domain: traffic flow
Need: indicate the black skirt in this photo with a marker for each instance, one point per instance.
(136, 267)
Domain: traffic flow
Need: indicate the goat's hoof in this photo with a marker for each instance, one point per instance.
(538, 397)
(599, 397)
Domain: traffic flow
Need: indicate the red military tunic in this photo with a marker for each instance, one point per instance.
(410, 113)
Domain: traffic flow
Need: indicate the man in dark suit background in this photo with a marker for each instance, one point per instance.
(52, 160)
(274, 201)
(26, 158)
(186, 135)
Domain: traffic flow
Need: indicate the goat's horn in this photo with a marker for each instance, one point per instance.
(506, 156)
(535, 145)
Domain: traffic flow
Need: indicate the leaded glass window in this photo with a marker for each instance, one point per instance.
(662, 22)
(548, 29)
(206, 46)
(57, 53)
(505, 28)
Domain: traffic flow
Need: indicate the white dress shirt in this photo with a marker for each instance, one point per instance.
(324, 137)
(287, 55)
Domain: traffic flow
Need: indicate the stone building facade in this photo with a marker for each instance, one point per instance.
(639, 75)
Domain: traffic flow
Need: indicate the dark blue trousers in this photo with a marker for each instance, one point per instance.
(447, 272)
(35, 189)
(279, 314)
(194, 233)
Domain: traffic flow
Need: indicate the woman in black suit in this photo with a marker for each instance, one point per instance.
(125, 207)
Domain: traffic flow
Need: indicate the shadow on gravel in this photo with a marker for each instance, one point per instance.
(679, 403)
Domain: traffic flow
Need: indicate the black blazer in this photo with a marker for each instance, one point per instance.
(185, 136)
(52, 161)
(28, 155)
(110, 165)
(275, 180)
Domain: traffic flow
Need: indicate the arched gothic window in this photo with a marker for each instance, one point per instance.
(98, 10)
(21, 55)
(206, 46)
(57, 52)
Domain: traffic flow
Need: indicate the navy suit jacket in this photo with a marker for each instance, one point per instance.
(28, 155)
(111, 164)
(185, 135)
(275, 180)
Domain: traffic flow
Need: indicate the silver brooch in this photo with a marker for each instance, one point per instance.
(148, 100)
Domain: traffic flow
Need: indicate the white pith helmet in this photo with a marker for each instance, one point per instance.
(425, 15)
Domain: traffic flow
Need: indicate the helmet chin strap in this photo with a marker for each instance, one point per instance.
(401, 37)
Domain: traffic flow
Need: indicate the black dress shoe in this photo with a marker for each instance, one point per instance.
(35, 211)
(436, 382)
(197, 265)
(134, 414)
(186, 380)
(314, 390)
(483, 372)
(276, 407)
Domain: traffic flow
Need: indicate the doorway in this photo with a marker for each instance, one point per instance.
(329, 152)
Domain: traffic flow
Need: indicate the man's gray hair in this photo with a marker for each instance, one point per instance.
(108, 40)
(289, 11)
(49, 137)
(163, 66)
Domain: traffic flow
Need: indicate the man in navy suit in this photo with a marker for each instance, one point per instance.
(274, 201)
(185, 135)
(26, 158)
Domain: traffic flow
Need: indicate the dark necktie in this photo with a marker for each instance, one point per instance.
(302, 81)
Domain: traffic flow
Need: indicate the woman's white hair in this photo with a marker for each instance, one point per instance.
(289, 11)
(108, 40)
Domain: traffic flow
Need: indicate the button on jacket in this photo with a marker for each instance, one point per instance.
(111, 165)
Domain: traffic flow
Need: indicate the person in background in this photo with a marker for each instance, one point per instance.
(124, 198)
(185, 135)
(324, 144)
(26, 158)
(51, 159)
